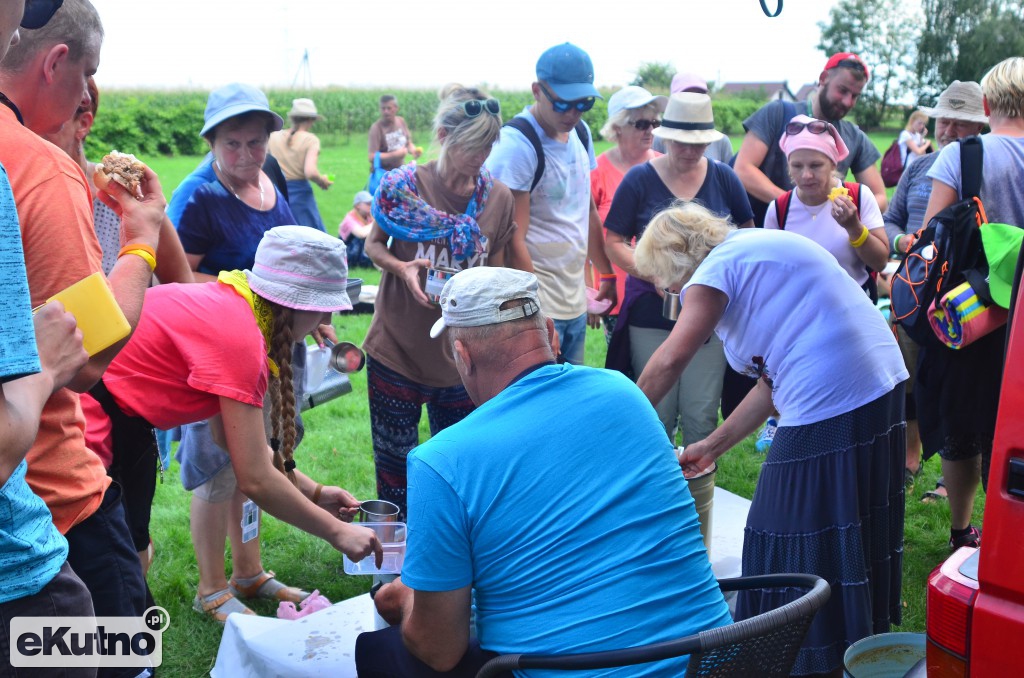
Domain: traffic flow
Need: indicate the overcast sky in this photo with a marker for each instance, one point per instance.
(426, 43)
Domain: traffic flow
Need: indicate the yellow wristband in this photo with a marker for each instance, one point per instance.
(144, 251)
(862, 238)
(316, 493)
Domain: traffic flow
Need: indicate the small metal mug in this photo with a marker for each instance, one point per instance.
(378, 511)
(346, 358)
(436, 278)
(670, 305)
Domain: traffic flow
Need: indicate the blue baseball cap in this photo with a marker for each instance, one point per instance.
(568, 71)
(236, 99)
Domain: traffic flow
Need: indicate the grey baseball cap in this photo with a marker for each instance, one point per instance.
(473, 297)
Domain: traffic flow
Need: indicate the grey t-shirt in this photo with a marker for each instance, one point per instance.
(1001, 175)
(767, 125)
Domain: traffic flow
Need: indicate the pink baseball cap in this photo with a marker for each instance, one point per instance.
(682, 82)
(828, 143)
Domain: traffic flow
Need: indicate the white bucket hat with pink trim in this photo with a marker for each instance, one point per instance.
(302, 268)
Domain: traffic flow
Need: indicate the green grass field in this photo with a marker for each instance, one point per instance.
(337, 449)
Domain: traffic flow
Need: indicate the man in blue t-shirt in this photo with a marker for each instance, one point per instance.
(561, 518)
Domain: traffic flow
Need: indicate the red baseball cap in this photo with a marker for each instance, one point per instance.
(839, 57)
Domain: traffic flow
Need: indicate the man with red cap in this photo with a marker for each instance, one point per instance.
(760, 163)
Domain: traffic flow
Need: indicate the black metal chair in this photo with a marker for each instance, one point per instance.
(765, 645)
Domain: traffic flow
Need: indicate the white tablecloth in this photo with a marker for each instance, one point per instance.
(323, 643)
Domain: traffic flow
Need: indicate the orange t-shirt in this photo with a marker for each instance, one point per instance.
(55, 210)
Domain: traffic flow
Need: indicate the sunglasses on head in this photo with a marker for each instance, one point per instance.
(474, 107)
(644, 125)
(814, 127)
(581, 105)
(38, 12)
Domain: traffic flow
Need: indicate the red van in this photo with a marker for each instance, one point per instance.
(975, 617)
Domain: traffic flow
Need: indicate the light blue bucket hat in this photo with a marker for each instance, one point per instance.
(233, 100)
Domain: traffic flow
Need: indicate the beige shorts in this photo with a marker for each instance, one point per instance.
(219, 488)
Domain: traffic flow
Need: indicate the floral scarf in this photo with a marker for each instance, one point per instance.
(403, 214)
(260, 308)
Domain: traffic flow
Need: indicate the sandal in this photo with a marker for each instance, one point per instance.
(219, 605)
(972, 538)
(267, 587)
(934, 496)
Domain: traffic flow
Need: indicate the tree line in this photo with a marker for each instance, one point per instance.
(916, 51)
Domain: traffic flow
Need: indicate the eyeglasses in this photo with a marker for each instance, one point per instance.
(474, 107)
(38, 12)
(814, 127)
(581, 105)
(644, 125)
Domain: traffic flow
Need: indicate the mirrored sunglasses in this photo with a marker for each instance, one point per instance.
(814, 127)
(38, 12)
(644, 125)
(581, 105)
(474, 107)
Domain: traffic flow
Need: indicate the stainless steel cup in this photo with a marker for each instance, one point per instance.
(378, 511)
(670, 305)
(436, 278)
(346, 358)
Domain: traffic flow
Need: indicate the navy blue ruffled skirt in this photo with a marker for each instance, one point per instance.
(830, 502)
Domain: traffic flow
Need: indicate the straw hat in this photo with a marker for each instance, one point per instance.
(688, 120)
(304, 108)
(959, 101)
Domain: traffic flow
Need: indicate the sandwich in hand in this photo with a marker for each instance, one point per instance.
(124, 168)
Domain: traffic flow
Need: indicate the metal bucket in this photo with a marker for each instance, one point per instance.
(886, 655)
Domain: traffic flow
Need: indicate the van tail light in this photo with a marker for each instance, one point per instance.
(944, 664)
(951, 598)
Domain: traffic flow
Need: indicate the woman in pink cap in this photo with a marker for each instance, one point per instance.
(847, 222)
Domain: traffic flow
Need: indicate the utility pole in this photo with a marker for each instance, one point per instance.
(304, 72)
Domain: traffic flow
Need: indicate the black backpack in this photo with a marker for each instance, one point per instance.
(524, 126)
(946, 252)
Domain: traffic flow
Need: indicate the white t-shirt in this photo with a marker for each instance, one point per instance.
(905, 153)
(559, 211)
(818, 224)
(797, 319)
